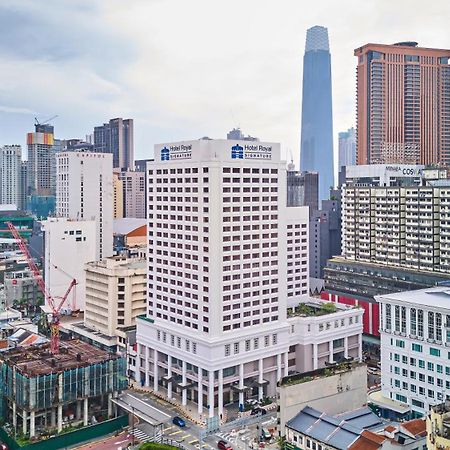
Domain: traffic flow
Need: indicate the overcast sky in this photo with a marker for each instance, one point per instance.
(188, 68)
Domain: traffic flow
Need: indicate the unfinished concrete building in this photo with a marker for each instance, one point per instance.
(42, 393)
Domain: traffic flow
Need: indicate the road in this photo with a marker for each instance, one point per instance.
(189, 436)
(113, 443)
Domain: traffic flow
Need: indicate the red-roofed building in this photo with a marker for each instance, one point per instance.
(406, 436)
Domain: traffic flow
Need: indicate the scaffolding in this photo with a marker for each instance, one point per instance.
(35, 383)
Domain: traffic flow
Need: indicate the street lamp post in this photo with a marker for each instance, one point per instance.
(132, 425)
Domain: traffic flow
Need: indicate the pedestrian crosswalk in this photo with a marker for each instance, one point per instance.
(230, 437)
(141, 435)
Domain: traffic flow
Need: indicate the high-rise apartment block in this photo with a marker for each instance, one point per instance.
(84, 190)
(302, 189)
(117, 195)
(140, 165)
(226, 258)
(398, 225)
(133, 185)
(347, 148)
(415, 347)
(115, 293)
(24, 185)
(324, 234)
(403, 104)
(116, 137)
(316, 152)
(10, 175)
(41, 154)
(394, 230)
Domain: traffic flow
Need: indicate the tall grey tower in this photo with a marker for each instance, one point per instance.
(116, 137)
(316, 152)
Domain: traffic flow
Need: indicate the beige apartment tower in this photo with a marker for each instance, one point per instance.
(403, 104)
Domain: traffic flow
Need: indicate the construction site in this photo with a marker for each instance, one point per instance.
(43, 392)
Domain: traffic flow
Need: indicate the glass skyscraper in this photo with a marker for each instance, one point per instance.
(316, 152)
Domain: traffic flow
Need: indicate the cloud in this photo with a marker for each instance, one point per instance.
(189, 69)
(15, 110)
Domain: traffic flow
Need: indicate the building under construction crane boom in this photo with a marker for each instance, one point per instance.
(55, 307)
(45, 122)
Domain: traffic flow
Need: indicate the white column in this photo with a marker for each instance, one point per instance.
(360, 354)
(59, 418)
(330, 351)
(155, 370)
(147, 375)
(408, 321)
(184, 382)
(211, 392)
(24, 422)
(53, 418)
(169, 374)
(279, 367)
(241, 384)
(260, 378)
(78, 414)
(220, 393)
(137, 376)
(32, 424)
(315, 357)
(346, 346)
(381, 316)
(200, 390)
(14, 412)
(392, 324)
(110, 404)
(85, 412)
(286, 363)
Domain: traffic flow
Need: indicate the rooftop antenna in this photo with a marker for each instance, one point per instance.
(291, 165)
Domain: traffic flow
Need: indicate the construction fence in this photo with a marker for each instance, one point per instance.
(71, 438)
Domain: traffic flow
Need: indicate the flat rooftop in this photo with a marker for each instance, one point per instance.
(375, 265)
(37, 360)
(437, 297)
(13, 214)
(314, 375)
(310, 307)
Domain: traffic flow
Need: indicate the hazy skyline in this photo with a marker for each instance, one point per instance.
(182, 69)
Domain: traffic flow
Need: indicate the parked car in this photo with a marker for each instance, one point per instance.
(222, 445)
(258, 412)
(179, 421)
(266, 433)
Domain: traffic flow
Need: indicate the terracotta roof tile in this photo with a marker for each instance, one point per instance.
(416, 427)
(368, 441)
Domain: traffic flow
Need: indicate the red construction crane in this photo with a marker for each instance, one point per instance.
(74, 298)
(56, 308)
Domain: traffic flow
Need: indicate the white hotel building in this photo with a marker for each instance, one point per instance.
(415, 347)
(224, 256)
